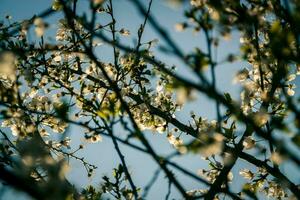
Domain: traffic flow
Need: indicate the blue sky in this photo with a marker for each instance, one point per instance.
(103, 154)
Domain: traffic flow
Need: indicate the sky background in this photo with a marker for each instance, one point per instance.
(103, 154)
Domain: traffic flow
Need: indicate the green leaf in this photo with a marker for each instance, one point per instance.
(228, 97)
(296, 140)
